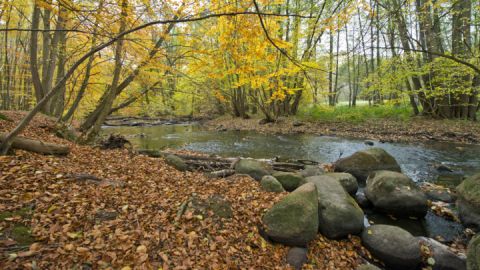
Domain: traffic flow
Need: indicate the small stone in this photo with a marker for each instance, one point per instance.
(297, 257)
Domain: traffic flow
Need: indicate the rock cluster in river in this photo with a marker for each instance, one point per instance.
(329, 203)
(329, 197)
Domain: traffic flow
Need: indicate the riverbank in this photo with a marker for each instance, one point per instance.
(52, 216)
(386, 130)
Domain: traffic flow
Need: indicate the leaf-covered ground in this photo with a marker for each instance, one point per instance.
(415, 130)
(77, 224)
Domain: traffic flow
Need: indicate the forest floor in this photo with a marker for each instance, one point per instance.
(49, 219)
(416, 129)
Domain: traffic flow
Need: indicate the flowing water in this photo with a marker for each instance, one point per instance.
(419, 161)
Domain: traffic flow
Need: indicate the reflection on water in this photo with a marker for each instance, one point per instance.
(417, 160)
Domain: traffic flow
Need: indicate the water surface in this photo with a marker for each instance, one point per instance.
(418, 160)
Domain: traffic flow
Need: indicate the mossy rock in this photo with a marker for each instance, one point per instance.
(176, 162)
(256, 169)
(395, 193)
(271, 184)
(362, 163)
(339, 213)
(469, 189)
(469, 201)
(294, 219)
(289, 180)
(348, 181)
(473, 253)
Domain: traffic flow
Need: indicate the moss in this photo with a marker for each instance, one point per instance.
(469, 189)
(270, 184)
(473, 255)
(25, 213)
(4, 117)
(290, 181)
(176, 162)
(22, 235)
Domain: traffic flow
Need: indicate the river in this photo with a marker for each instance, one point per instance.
(419, 160)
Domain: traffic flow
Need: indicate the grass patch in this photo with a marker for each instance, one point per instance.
(4, 117)
(355, 114)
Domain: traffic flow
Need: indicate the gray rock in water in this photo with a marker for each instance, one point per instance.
(362, 163)
(394, 246)
(450, 179)
(297, 257)
(311, 170)
(440, 195)
(468, 202)
(396, 193)
(294, 219)
(289, 180)
(256, 169)
(271, 184)
(444, 259)
(348, 181)
(473, 253)
(339, 214)
(176, 162)
(362, 200)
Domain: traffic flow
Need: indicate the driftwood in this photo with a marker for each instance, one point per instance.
(37, 146)
(221, 165)
(222, 173)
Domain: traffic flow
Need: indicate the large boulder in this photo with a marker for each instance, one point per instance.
(176, 162)
(362, 163)
(443, 258)
(294, 219)
(394, 246)
(289, 180)
(468, 202)
(256, 169)
(271, 184)
(473, 253)
(339, 214)
(396, 193)
(348, 181)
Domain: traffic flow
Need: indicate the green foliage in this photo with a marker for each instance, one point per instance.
(355, 114)
(4, 117)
